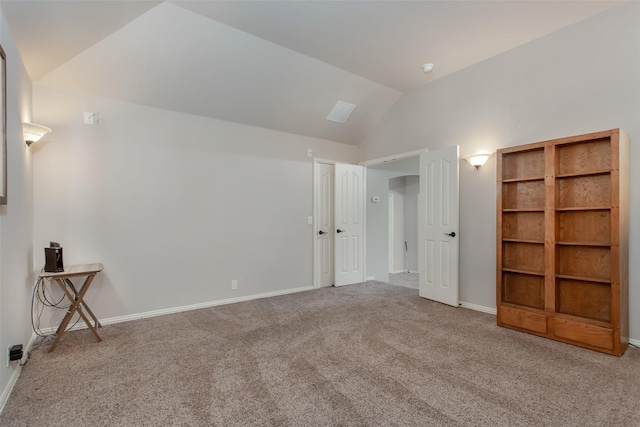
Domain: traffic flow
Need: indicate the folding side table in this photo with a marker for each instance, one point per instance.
(75, 297)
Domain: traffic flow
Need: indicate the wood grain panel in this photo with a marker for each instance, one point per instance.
(523, 165)
(327, 256)
(523, 319)
(523, 225)
(590, 300)
(524, 256)
(621, 233)
(355, 254)
(584, 157)
(344, 250)
(523, 289)
(429, 251)
(593, 227)
(523, 195)
(445, 262)
(584, 261)
(562, 245)
(585, 192)
(583, 333)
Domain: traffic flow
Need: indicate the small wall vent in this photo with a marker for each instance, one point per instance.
(341, 112)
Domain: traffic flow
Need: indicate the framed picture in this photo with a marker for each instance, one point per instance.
(3, 127)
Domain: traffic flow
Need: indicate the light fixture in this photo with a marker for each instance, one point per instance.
(427, 68)
(477, 160)
(33, 132)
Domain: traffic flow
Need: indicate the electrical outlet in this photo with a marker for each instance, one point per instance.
(14, 353)
(234, 285)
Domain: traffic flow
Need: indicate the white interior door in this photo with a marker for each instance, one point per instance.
(438, 234)
(349, 224)
(392, 224)
(325, 230)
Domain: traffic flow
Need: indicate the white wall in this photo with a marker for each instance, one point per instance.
(174, 205)
(581, 79)
(16, 248)
(405, 190)
(411, 191)
(396, 189)
(378, 213)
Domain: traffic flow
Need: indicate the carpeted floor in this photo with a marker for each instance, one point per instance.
(360, 355)
(408, 280)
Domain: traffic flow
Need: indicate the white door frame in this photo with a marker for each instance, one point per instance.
(379, 161)
(366, 164)
(349, 221)
(391, 233)
(401, 156)
(316, 191)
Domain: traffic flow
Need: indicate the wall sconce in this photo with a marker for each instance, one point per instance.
(33, 132)
(477, 160)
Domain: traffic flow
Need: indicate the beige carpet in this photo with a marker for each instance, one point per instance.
(408, 280)
(361, 355)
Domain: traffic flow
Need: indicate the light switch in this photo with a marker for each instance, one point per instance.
(89, 118)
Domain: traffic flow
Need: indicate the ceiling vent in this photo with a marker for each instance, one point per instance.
(341, 112)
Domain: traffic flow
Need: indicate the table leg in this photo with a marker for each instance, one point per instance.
(84, 304)
(76, 301)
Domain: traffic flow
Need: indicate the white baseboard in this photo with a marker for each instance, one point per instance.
(9, 388)
(477, 307)
(4, 397)
(172, 310)
(370, 278)
(635, 343)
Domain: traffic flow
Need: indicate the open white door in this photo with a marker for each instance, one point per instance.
(349, 224)
(324, 219)
(438, 247)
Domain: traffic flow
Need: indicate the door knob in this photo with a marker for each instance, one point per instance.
(452, 234)
(321, 232)
(340, 231)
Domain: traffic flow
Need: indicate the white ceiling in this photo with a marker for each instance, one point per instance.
(275, 64)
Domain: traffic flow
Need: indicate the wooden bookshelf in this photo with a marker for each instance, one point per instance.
(562, 240)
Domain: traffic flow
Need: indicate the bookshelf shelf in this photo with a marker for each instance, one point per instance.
(562, 238)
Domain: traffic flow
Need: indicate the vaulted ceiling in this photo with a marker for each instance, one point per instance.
(275, 64)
